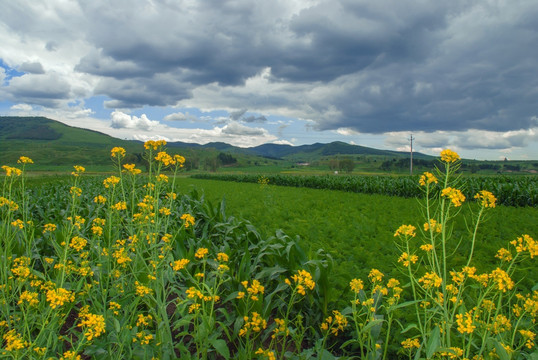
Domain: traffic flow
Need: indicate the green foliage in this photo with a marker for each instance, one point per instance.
(511, 191)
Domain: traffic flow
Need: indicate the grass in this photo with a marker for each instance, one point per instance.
(356, 229)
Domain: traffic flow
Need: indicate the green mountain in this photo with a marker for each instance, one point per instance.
(51, 144)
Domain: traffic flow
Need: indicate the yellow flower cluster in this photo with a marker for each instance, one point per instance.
(201, 253)
(411, 343)
(255, 323)
(427, 178)
(117, 152)
(375, 275)
(164, 158)
(9, 204)
(78, 243)
(144, 320)
(18, 224)
(430, 280)
(268, 354)
(406, 230)
(504, 254)
(486, 198)
(25, 160)
(465, 323)
(119, 206)
(154, 144)
(99, 199)
(449, 156)
(94, 325)
(14, 341)
(335, 324)
(179, 264)
(356, 285)
(21, 267)
(455, 196)
(426, 247)
(222, 257)
(502, 280)
(10, 171)
(115, 307)
(407, 259)
(528, 336)
(30, 297)
(49, 228)
(60, 296)
(142, 290)
(162, 178)
(526, 243)
(111, 181)
(70, 355)
(78, 170)
(433, 225)
(281, 329)
(500, 324)
(253, 290)
(130, 168)
(301, 279)
(189, 220)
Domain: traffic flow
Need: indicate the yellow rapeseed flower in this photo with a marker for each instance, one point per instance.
(111, 181)
(99, 199)
(152, 144)
(406, 230)
(411, 343)
(25, 160)
(10, 171)
(465, 323)
(486, 198)
(433, 225)
(94, 325)
(502, 280)
(14, 341)
(179, 264)
(455, 196)
(201, 253)
(427, 178)
(30, 297)
(70, 355)
(58, 297)
(118, 152)
(430, 280)
(449, 156)
(130, 168)
(375, 275)
(356, 285)
(189, 220)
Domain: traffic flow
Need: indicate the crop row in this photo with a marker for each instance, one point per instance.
(510, 191)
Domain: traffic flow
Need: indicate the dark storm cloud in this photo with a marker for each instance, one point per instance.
(49, 90)
(369, 66)
(32, 68)
(254, 119)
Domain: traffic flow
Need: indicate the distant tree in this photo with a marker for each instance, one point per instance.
(226, 159)
(347, 165)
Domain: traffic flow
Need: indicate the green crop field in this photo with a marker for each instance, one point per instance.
(150, 264)
(356, 229)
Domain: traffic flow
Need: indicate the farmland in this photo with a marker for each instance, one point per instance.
(155, 265)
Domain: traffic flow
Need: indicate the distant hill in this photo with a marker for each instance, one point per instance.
(52, 143)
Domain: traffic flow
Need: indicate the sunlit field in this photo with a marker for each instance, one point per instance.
(155, 266)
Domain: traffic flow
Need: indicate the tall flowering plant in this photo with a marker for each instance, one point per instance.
(461, 313)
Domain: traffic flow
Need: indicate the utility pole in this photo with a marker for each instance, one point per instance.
(411, 138)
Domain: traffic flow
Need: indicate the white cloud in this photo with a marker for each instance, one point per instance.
(22, 107)
(121, 120)
(179, 116)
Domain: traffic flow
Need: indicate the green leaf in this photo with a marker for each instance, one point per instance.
(433, 342)
(409, 327)
(221, 347)
(501, 351)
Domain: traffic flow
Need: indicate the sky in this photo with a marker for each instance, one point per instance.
(458, 74)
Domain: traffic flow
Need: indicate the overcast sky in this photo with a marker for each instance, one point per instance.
(456, 74)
